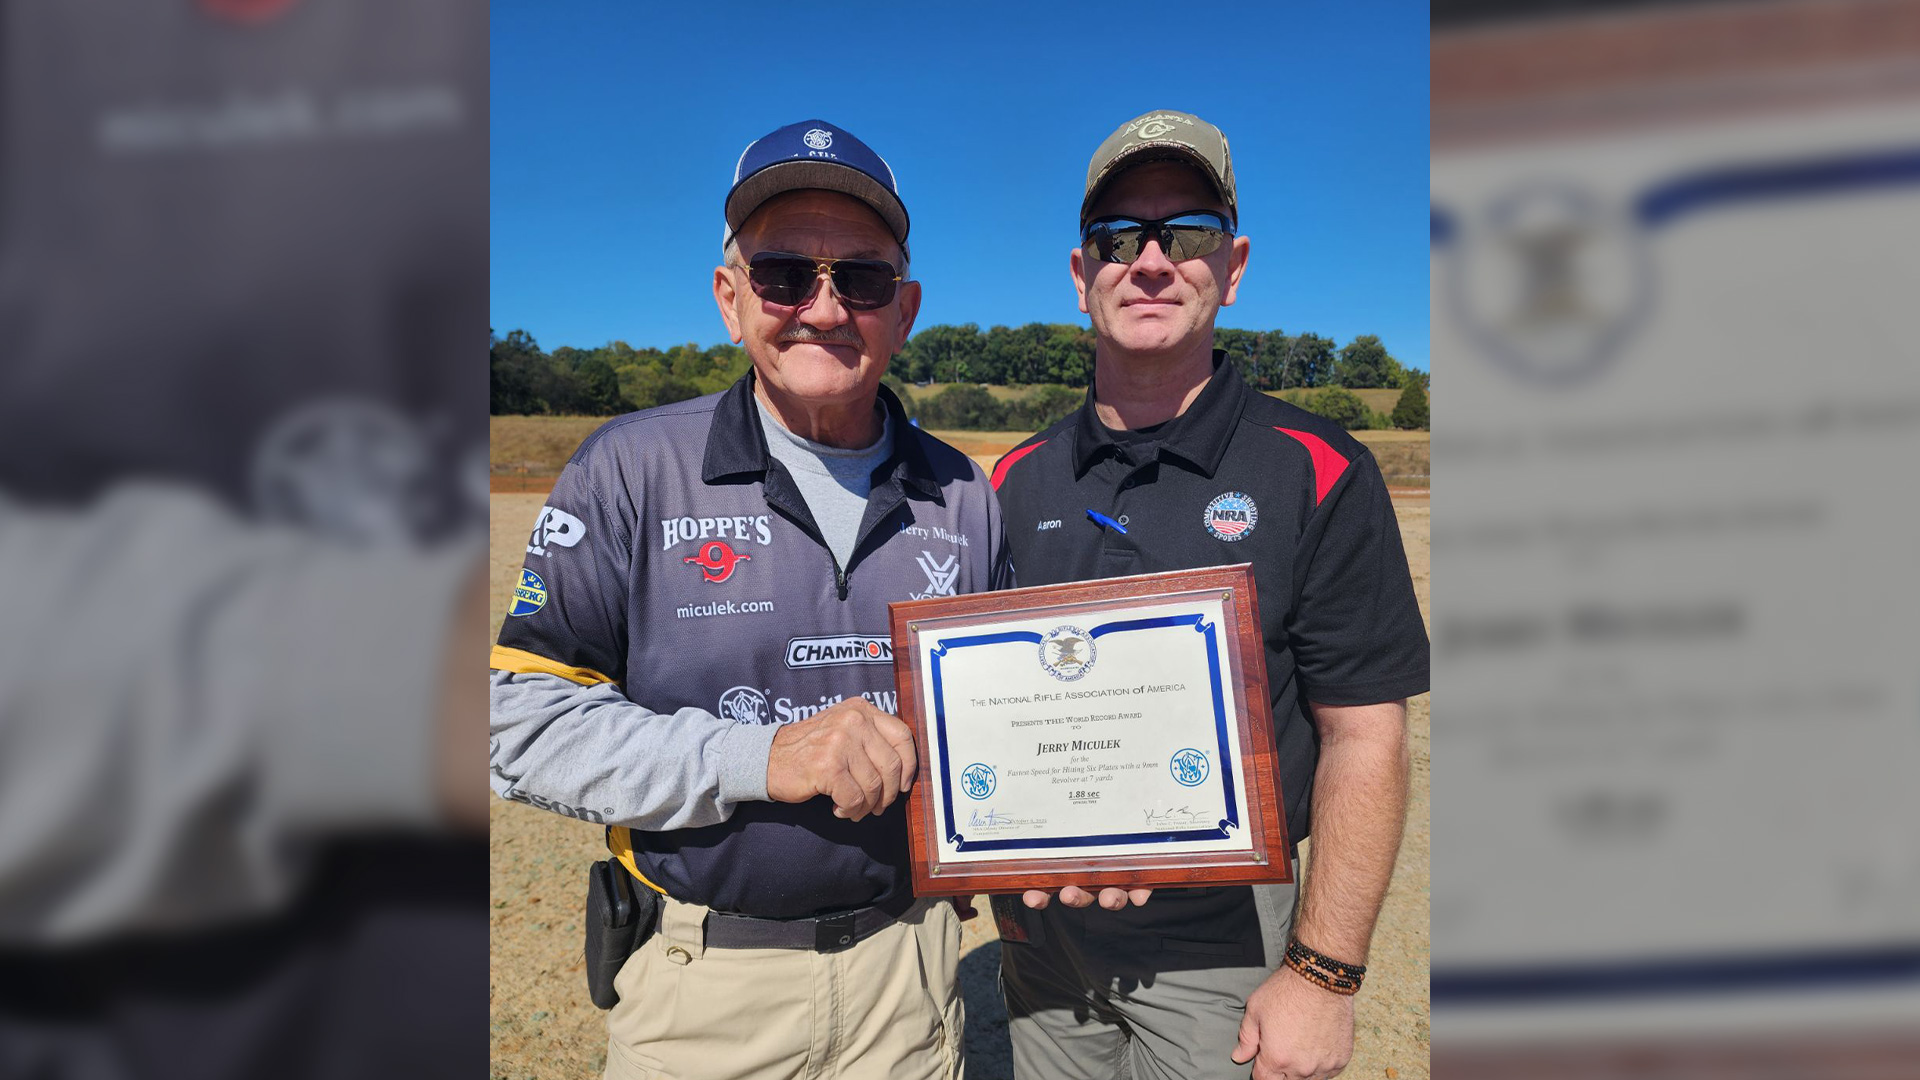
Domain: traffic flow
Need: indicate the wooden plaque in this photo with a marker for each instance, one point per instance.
(1095, 733)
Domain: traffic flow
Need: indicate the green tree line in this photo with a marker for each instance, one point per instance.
(1051, 357)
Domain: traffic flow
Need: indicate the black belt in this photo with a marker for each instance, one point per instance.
(823, 933)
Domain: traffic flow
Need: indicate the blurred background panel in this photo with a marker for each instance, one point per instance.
(242, 506)
(1675, 251)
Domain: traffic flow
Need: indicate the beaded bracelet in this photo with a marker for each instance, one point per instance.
(1323, 970)
(1323, 981)
(1315, 956)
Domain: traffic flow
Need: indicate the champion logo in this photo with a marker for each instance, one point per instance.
(717, 561)
(807, 652)
(1231, 516)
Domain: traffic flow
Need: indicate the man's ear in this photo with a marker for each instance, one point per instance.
(909, 301)
(727, 295)
(1236, 266)
(1077, 263)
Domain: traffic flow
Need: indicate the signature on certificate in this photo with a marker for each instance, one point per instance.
(1179, 815)
(990, 818)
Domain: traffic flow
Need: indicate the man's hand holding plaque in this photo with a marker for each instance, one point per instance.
(1076, 897)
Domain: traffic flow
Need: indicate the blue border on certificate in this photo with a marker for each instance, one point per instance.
(1230, 819)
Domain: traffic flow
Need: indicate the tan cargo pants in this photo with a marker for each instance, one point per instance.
(886, 1007)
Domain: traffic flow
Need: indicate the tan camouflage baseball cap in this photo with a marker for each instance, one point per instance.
(1159, 135)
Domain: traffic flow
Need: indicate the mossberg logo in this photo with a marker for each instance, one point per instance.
(806, 652)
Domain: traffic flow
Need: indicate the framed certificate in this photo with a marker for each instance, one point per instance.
(1096, 733)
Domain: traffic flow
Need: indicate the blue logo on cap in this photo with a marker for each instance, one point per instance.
(788, 160)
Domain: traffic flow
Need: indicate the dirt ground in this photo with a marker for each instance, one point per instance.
(542, 1025)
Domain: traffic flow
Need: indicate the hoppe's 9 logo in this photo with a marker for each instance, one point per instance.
(716, 561)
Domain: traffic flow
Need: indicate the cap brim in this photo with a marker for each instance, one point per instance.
(784, 176)
(1140, 154)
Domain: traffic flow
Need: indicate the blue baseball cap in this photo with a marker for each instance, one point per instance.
(814, 154)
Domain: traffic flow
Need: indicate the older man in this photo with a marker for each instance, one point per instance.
(1177, 463)
(698, 653)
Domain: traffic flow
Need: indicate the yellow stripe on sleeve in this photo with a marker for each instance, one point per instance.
(522, 662)
(620, 842)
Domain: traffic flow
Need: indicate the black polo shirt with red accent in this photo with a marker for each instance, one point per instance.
(1238, 477)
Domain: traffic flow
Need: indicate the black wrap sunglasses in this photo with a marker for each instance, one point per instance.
(783, 278)
(1186, 235)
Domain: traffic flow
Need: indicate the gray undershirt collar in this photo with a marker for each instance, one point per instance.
(834, 482)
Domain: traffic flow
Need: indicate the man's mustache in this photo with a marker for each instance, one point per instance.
(838, 335)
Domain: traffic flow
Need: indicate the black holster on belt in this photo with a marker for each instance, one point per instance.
(621, 916)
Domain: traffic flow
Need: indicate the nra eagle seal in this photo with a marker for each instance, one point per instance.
(1231, 516)
(1067, 653)
(1551, 280)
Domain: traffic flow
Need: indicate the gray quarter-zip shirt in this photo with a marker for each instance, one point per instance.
(678, 602)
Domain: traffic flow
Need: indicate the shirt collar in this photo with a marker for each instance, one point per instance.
(737, 446)
(1199, 435)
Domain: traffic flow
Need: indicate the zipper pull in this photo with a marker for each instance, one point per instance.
(840, 580)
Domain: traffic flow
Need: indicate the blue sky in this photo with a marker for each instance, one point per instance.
(616, 125)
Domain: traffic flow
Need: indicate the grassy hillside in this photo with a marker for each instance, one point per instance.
(1380, 401)
(536, 445)
(528, 450)
(999, 393)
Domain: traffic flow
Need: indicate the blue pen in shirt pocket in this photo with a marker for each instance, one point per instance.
(1102, 519)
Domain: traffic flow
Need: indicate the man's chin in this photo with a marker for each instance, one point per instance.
(1151, 336)
(814, 377)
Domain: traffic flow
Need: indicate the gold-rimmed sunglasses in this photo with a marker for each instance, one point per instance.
(783, 278)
